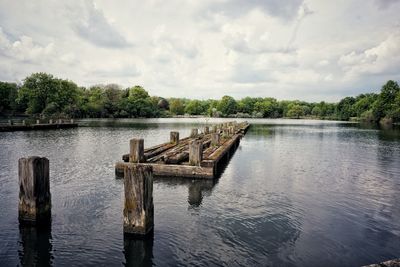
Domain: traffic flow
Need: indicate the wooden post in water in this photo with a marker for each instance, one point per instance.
(195, 152)
(138, 205)
(174, 137)
(194, 132)
(206, 130)
(136, 154)
(34, 190)
(215, 139)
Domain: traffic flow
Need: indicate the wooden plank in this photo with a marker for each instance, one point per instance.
(174, 170)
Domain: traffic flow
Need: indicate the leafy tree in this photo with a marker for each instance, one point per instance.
(385, 103)
(194, 107)
(344, 108)
(227, 105)
(8, 95)
(295, 111)
(176, 107)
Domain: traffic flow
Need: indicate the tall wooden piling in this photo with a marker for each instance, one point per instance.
(194, 132)
(136, 153)
(34, 190)
(138, 205)
(215, 137)
(195, 152)
(174, 137)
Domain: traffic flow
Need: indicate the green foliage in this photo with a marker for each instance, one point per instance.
(227, 105)
(41, 93)
(194, 107)
(8, 95)
(176, 107)
(295, 111)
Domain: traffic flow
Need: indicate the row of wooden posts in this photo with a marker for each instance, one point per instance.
(35, 197)
(51, 121)
(34, 207)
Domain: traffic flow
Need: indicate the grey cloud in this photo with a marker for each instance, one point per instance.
(277, 8)
(94, 27)
(383, 4)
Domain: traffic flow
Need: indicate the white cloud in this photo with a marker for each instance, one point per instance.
(312, 50)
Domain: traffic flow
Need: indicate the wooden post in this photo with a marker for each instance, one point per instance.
(215, 137)
(23, 122)
(136, 153)
(37, 121)
(195, 152)
(206, 130)
(194, 133)
(50, 121)
(138, 205)
(174, 137)
(34, 189)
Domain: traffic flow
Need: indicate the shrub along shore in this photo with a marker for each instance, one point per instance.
(45, 96)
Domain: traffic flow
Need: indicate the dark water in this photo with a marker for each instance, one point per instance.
(296, 193)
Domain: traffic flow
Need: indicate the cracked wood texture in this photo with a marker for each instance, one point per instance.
(34, 190)
(138, 206)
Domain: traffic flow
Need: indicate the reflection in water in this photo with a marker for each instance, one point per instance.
(196, 190)
(139, 251)
(196, 187)
(35, 246)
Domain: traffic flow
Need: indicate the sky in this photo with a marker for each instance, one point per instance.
(309, 50)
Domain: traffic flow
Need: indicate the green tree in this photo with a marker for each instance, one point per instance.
(295, 111)
(176, 106)
(385, 102)
(227, 105)
(8, 96)
(194, 107)
(344, 109)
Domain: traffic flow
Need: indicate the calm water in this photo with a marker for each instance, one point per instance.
(296, 193)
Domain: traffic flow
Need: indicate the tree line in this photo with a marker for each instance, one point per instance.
(44, 95)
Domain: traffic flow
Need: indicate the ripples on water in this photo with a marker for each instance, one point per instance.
(296, 193)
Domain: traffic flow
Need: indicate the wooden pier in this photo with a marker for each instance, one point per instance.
(39, 125)
(198, 156)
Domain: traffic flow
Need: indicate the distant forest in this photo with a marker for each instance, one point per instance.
(43, 95)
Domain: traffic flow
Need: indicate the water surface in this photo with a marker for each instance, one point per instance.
(296, 193)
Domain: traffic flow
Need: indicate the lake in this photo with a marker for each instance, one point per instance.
(295, 193)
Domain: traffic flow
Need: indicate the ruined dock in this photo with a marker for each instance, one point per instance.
(12, 126)
(198, 156)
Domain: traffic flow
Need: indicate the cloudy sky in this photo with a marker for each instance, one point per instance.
(293, 49)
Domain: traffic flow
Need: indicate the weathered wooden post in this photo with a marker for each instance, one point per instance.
(138, 205)
(194, 132)
(206, 130)
(34, 190)
(50, 121)
(215, 137)
(195, 152)
(136, 153)
(37, 121)
(174, 137)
